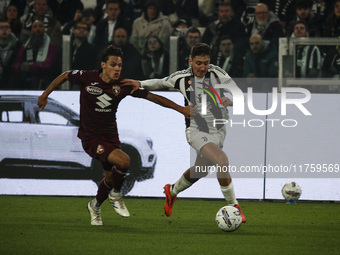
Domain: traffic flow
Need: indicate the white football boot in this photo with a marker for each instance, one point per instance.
(96, 218)
(117, 201)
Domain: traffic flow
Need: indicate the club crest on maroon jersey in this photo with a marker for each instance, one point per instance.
(100, 149)
(116, 90)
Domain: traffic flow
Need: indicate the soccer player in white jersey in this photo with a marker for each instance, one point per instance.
(205, 137)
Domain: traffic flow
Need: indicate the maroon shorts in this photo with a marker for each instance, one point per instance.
(100, 148)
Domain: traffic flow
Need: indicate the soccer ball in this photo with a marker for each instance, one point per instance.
(291, 191)
(228, 218)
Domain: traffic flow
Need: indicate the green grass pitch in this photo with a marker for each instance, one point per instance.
(61, 225)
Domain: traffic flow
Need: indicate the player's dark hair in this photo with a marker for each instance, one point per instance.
(111, 51)
(200, 49)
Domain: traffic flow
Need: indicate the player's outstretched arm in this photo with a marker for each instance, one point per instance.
(129, 82)
(151, 84)
(187, 111)
(42, 99)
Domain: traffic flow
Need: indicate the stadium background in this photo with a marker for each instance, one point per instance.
(314, 140)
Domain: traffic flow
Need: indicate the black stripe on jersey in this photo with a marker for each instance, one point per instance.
(219, 81)
(215, 110)
(217, 68)
(187, 81)
(181, 72)
(201, 123)
(177, 83)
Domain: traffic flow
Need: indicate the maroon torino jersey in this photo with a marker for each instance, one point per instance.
(99, 102)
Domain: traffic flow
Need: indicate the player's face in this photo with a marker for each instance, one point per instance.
(200, 65)
(111, 69)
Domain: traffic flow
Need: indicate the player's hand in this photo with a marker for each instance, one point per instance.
(226, 102)
(189, 112)
(129, 82)
(42, 102)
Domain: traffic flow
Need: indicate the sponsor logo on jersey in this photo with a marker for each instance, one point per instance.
(104, 101)
(190, 88)
(100, 149)
(94, 90)
(94, 83)
(115, 90)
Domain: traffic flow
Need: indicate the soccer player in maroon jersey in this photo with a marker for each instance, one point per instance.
(100, 94)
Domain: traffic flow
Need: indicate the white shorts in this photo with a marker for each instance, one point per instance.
(197, 139)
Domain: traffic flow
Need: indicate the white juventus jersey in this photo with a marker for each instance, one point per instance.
(199, 92)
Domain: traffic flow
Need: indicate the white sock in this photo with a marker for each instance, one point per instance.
(180, 185)
(229, 194)
(114, 193)
(95, 204)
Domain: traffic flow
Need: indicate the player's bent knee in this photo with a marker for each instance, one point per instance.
(119, 159)
(125, 163)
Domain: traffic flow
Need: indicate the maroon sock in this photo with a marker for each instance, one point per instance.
(118, 176)
(103, 191)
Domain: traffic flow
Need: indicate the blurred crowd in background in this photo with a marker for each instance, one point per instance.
(243, 35)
